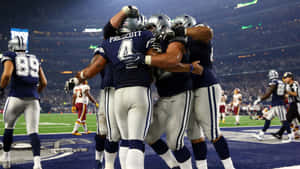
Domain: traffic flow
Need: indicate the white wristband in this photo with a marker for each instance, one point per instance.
(82, 75)
(148, 59)
(185, 31)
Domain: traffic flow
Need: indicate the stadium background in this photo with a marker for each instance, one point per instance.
(250, 37)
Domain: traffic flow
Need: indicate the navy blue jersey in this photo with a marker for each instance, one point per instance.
(117, 48)
(203, 52)
(172, 83)
(106, 74)
(25, 77)
(278, 93)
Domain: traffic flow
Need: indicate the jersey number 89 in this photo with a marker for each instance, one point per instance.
(26, 66)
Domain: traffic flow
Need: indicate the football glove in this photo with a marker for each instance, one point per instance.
(131, 11)
(97, 105)
(134, 60)
(179, 30)
(73, 109)
(2, 92)
(70, 84)
(258, 100)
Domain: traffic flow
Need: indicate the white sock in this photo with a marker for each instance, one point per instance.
(201, 164)
(227, 163)
(84, 126)
(37, 161)
(123, 152)
(187, 164)
(237, 118)
(169, 159)
(261, 133)
(110, 160)
(6, 156)
(135, 159)
(76, 126)
(99, 155)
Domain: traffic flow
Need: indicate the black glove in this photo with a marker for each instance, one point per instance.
(132, 61)
(70, 84)
(179, 30)
(2, 92)
(166, 35)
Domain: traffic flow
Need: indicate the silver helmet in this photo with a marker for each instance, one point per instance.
(17, 44)
(273, 74)
(160, 22)
(132, 24)
(184, 20)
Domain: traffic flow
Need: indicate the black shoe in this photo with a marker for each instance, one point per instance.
(98, 165)
(276, 135)
(176, 167)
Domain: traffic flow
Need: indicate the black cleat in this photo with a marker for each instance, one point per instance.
(98, 165)
(276, 135)
(176, 167)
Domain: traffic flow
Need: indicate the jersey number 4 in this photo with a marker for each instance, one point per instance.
(125, 49)
(26, 66)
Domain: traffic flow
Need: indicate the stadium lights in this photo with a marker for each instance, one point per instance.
(241, 5)
(92, 30)
(66, 72)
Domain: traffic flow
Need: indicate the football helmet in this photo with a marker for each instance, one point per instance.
(160, 22)
(273, 74)
(184, 20)
(132, 24)
(17, 44)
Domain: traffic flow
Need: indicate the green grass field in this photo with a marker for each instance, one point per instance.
(63, 123)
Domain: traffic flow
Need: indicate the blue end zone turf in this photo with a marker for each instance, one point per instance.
(246, 151)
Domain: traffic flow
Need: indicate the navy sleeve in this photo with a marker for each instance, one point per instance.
(8, 56)
(149, 39)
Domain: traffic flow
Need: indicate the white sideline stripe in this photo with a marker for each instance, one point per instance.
(250, 126)
(291, 167)
(70, 133)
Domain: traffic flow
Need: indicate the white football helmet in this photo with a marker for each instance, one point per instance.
(17, 44)
(273, 74)
(184, 20)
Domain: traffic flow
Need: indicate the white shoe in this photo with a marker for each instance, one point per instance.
(37, 162)
(290, 139)
(6, 163)
(259, 136)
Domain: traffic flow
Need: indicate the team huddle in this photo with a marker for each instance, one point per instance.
(136, 54)
(177, 59)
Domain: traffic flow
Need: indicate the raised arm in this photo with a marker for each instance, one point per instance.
(42, 80)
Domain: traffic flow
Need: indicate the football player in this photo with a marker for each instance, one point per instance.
(207, 93)
(236, 101)
(223, 106)
(293, 100)
(278, 90)
(27, 80)
(174, 49)
(80, 100)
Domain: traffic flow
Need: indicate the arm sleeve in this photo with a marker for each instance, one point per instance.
(109, 31)
(7, 56)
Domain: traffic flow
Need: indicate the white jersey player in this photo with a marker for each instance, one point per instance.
(236, 102)
(222, 106)
(81, 97)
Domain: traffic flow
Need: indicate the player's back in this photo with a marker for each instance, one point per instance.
(117, 48)
(204, 53)
(278, 93)
(25, 75)
(172, 83)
